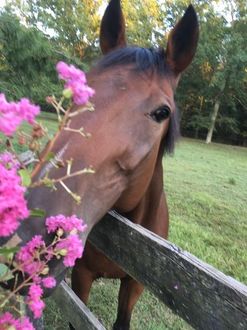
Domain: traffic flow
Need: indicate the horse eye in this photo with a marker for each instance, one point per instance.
(160, 114)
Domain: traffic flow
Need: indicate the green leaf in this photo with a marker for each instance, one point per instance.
(3, 270)
(6, 251)
(37, 213)
(25, 177)
(8, 276)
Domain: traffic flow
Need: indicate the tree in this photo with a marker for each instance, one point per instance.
(229, 79)
(145, 22)
(212, 92)
(27, 62)
(73, 25)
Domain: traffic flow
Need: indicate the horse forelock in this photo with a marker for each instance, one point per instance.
(142, 59)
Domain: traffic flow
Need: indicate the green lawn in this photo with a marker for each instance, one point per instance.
(207, 198)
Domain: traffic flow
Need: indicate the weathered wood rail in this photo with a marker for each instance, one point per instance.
(199, 293)
(75, 310)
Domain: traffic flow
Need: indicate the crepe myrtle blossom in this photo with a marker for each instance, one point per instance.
(13, 206)
(26, 257)
(34, 300)
(71, 246)
(9, 161)
(49, 282)
(67, 224)
(7, 321)
(75, 82)
(13, 113)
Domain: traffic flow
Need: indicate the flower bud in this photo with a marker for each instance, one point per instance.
(67, 93)
(60, 232)
(63, 252)
(45, 271)
(21, 140)
(38, 131)
(34, 146)
(49, 99)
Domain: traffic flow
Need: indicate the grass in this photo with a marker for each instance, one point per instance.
(207, 198)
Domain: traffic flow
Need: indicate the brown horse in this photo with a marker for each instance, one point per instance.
(135, 122)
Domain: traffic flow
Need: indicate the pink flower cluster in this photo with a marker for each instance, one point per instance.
(9, 161)
(32, 258)
(13, 113)
(34, 300)
(71, 246)
(27, 256)
(75, 82)
(73, 249)
(7, 321)
(66, 223)
(13, 207)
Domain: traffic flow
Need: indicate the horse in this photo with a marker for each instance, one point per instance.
(134, 124)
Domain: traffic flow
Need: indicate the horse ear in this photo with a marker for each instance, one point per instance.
(182, 42)
(112, 29)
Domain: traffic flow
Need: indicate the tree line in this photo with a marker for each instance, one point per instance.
(212, 96)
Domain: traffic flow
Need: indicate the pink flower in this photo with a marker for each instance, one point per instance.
(70, 72)
(24, 324)
(13, 206)
(81, 92)
(73, 248)
(28, 111)
(7, 321)
(76, 82)
(49, 282)
(66, 223)
(8, 160)
(27, 256)
(34, 301)
(13, 113)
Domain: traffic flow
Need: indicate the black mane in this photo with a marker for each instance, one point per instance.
(145, 60)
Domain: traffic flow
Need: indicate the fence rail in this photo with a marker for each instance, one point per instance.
(75, 311)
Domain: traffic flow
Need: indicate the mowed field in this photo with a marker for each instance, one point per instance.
(206, 188)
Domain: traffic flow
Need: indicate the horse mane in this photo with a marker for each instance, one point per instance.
(142, 59)
(145, 60)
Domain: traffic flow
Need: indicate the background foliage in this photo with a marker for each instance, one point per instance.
(212, 96)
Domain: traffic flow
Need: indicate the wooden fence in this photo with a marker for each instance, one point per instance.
(199, 293)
